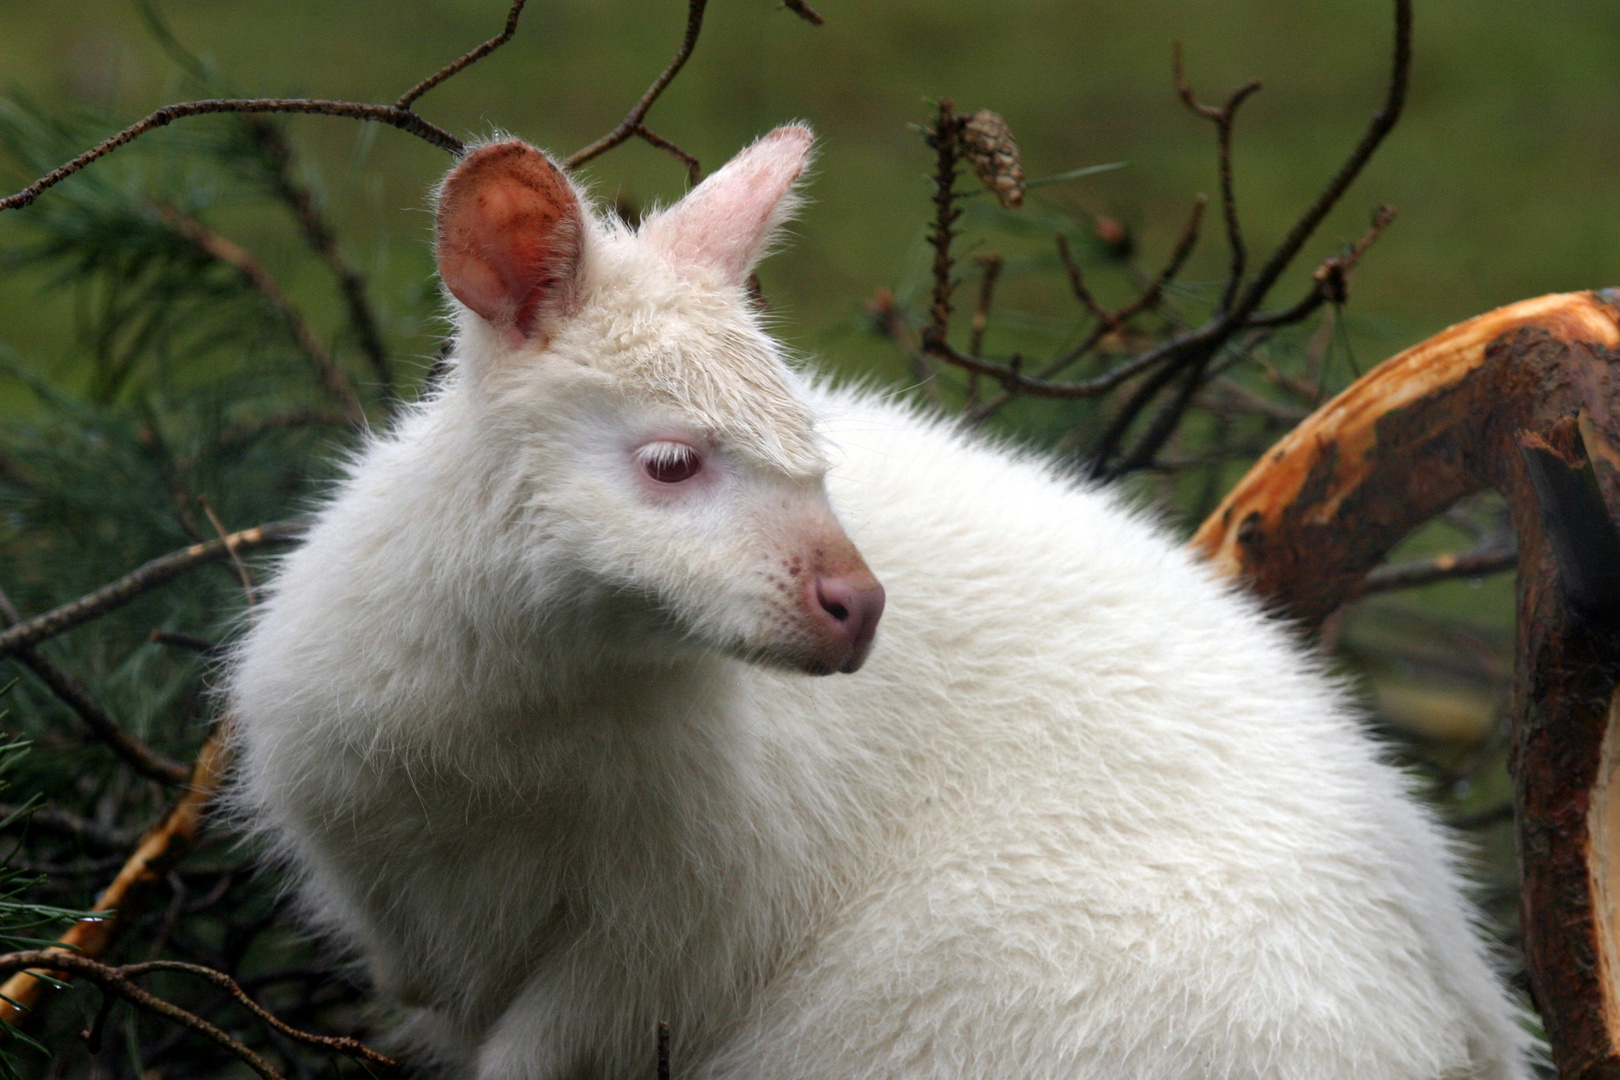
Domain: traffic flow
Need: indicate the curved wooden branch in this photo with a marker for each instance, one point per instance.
(159, 850)
(1523, 400)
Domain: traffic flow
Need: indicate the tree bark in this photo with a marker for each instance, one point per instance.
(1523, 400)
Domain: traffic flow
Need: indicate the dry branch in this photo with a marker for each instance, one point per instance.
(139, 581)
(403, 119)
(120, 982)
(1223, 117)
(164, 845)
(230, 253)
(1521, 400)
(322, 239)
(631, 126)
(132, 751)
(465, 60)
(1445, 567)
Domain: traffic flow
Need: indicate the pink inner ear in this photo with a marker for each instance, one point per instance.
(509, 235)
(725, 223)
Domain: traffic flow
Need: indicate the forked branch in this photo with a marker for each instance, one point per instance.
(631, 126)
(120, 982)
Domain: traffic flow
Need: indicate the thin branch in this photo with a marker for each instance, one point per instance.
(1077, 283)
(249, 586)
(1233, 397)
(157, 853)
(76, 826)
(627, 128)
(338, 1044)
(130, 750)
(804, 11)
(990, 265)
(1222, 117)
(180, 640)
(322, 239)
(1012, 379)
(253, 272)
(1148, 300)
(694, 172)
(398, 115)
(120, 981)
(1378, 128)
(142, 580)
(403, 119)
(942, 139)
(1446, 567)
(1330, 282)
(467, 59)
(1194, 350)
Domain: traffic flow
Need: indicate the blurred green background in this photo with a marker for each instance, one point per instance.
(1504, 170)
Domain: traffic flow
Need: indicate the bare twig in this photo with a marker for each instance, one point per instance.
(1222, 117)
(1077, 283)
(694, 171)
(1445, 567)
(398, 115)
(403, 119)
(322, 239)
(120, 982)
(64, 822)
(1226, 397)
(1147, 301)
(631, 125)
(162, 846)
(137, 582)
(238, 258)
(338, 1044)
(1330, 282)
(989, 271)
(804, 11)
(1188, 355)
(249, 587)
(1378, 128)
(942, 139)
(130, 750)
(466, 60)
(180, 640)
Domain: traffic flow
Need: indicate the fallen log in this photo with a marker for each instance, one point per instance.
(1524, 400)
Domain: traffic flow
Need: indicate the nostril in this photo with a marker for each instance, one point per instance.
(834, 597)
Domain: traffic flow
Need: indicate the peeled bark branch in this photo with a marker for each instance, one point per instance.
(1522, 400)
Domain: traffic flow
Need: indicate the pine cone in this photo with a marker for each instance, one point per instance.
(989, 148)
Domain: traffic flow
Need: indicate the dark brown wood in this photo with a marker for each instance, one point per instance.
(1523, 400)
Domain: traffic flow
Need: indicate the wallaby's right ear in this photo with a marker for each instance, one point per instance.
(510, 231)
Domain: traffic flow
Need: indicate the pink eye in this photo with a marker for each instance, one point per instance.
(670, 462)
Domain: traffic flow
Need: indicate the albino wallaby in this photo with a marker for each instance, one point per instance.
(533, 714)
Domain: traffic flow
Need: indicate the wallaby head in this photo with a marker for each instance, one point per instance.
(663, 447)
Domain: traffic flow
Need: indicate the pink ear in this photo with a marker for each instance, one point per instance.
(509, 236)
(725, 223)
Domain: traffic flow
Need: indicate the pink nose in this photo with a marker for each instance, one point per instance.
(851, 605)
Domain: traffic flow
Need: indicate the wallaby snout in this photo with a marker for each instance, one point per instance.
(848, 605)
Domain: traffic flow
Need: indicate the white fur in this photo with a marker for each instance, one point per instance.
(532, 740)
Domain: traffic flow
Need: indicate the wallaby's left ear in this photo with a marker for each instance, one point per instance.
(724, 225)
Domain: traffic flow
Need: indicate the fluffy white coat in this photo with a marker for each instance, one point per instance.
(1085, 813)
